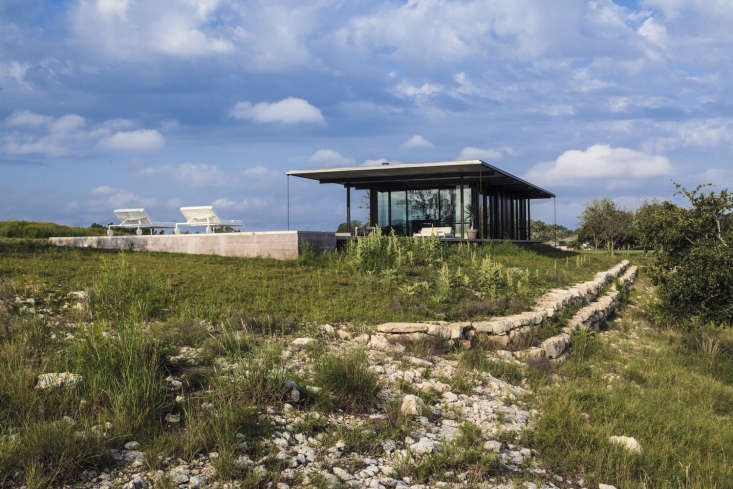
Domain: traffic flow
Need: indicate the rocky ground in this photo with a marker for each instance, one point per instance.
(431, 414)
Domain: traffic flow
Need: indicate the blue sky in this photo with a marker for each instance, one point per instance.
(127, 103)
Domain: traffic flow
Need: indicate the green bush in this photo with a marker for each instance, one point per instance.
(30, 229)
(693, 271)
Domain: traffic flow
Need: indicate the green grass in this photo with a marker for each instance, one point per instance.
(239, 314)
(346, 381)
(274, 293)
(663, 388)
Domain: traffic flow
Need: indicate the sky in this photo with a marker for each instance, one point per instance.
(107, 104)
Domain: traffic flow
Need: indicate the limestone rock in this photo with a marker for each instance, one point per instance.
(627, 442)
(555, 345)
(412, 405)
(403, 328)
(301, 342)
(60, 379)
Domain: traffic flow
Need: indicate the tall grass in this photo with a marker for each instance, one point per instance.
(346, 381)
(121, 292)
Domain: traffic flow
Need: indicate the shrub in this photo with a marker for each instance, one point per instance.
(346, 381)
(694, 266)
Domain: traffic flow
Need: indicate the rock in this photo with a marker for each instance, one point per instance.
(79, 294)
(344, 335)
(606, 486)
(62, 379)
(195, 482)
(450, 397)
(412, 405)
(380, 342)
(179, 475)
(328, 329)
(492, 446)
(173, 383)
(403, 328)
(301, 342)
(294, 390)
(172, 418)
(419, 362)
(243, 461)
(433, 385)
(133, 456)
(626, 442)
(342, 474)
(425, 445)
(555, 345)
(137, 482)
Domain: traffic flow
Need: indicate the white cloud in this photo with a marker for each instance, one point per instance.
(199, 174)
(112, 8)
(417, 141)
(654, 32)
(107, 198)
(242, 205)
(14, 72)
(583, 81)
(602, 163)
(140, 140)
(329, 157)
(256, 171)
(287, 111)
(191, 174)
(705, 133)
(137, 30)
(404, 89)
(21, 118)
(34, 133)
(554, 110)
(485, 154)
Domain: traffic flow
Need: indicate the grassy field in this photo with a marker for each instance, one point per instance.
(448, 282)
(673, 392)
(670, 391)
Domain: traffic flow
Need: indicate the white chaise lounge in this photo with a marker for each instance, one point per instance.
(138, 220)
(204, 215)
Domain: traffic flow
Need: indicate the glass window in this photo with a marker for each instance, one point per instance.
(398, 212)
(424, 209)
(383, 209)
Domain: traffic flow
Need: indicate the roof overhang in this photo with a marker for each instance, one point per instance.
(425, 174)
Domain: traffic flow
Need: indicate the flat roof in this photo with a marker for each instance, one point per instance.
(433, 173)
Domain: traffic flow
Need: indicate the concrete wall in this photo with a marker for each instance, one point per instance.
(282, 245)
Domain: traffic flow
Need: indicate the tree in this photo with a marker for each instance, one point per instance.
(605, 224)
(343, 228)
(546, 232)
(693, 270)
(655, 224)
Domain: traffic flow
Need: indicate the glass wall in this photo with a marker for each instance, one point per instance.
(383, 209)
(408, 211)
